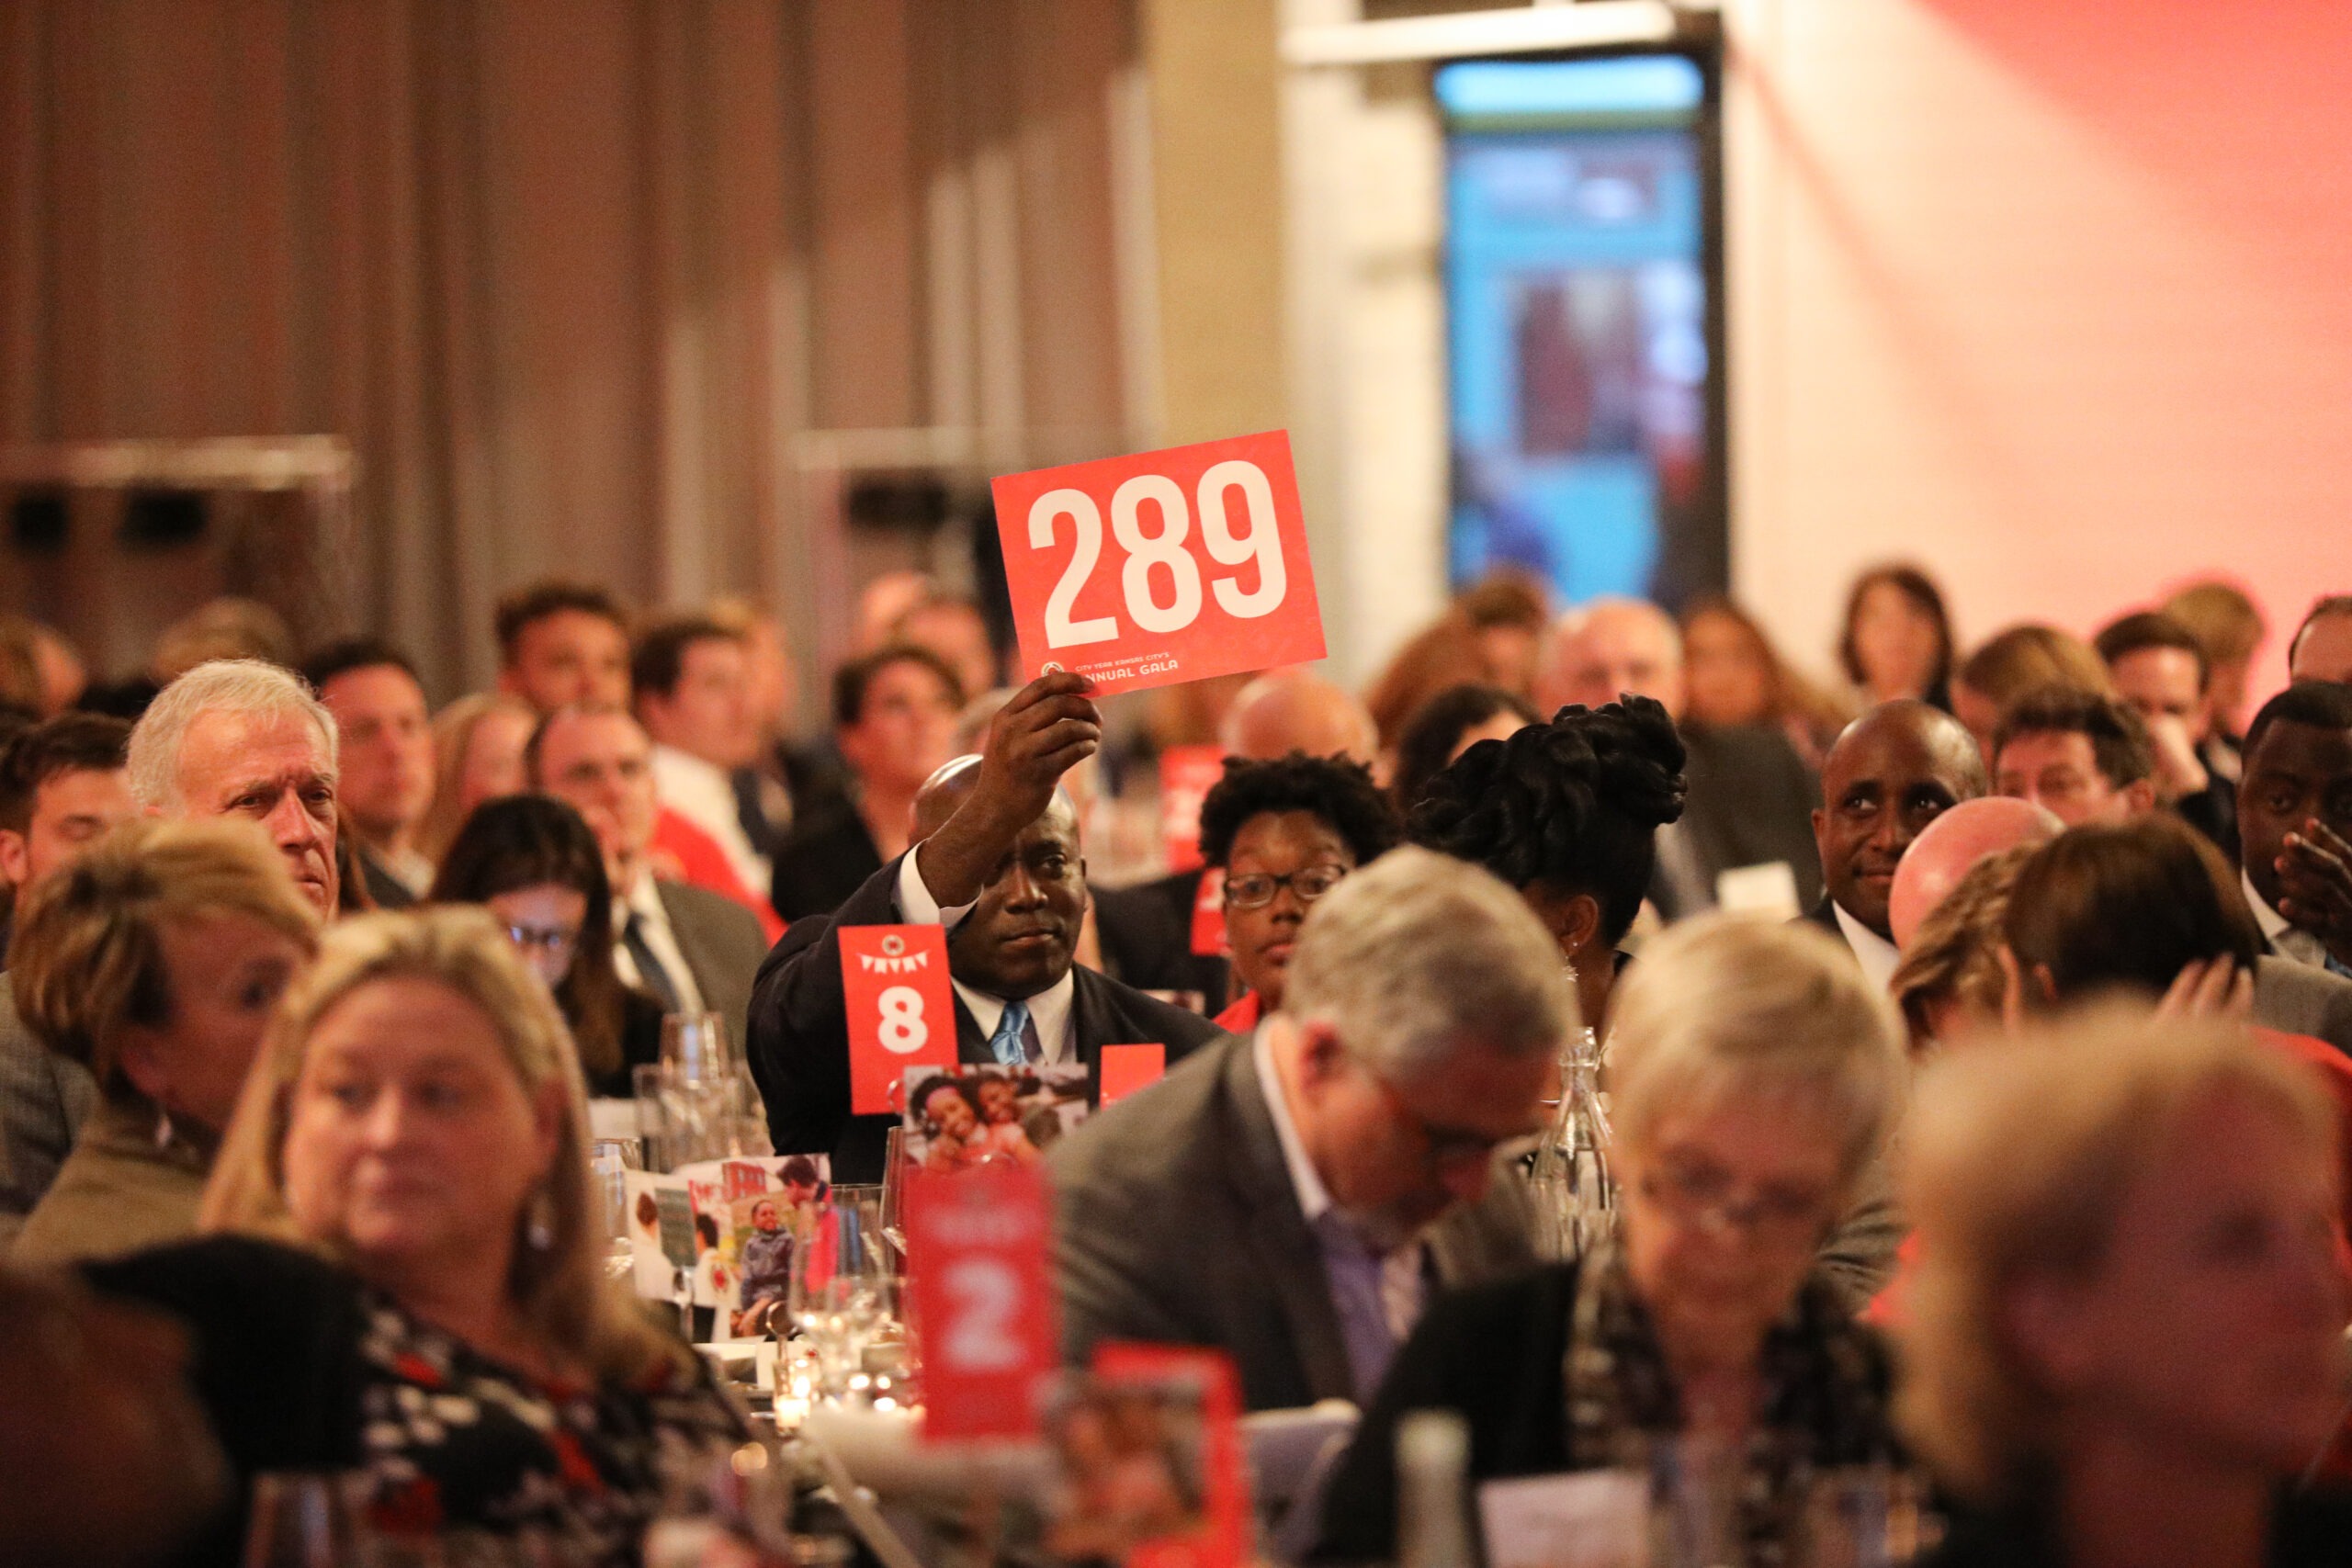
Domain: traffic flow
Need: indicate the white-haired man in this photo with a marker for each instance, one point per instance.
(1313, 1161)
(1750, 795)
(242, 737)
(232, 738)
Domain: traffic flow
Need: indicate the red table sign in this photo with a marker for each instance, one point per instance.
(901, 1013)
(1163, 566)
(1208, 917)
(1223, 1541)
(1126, 1068)
(1187, 773)
(981, 1288)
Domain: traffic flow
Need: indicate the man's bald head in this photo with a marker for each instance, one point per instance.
(1599, 652)
(1022, 930)
(1951, 845)
(1894, 769)
(1297, 710)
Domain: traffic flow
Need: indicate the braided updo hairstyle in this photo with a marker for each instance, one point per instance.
(1575, 805)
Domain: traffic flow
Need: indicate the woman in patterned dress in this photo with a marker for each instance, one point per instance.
(402, 1273)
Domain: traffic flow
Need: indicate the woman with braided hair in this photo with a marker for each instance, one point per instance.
(1567, 813)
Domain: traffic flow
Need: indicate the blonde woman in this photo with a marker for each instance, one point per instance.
(153, 961)
(477, 744)
(2126, 1332)
(403, 1275)
(1755, 1075)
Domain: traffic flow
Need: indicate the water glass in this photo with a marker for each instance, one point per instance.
(305, 1520)
(1862, 1517)
(839, 1298)
(695, 1046)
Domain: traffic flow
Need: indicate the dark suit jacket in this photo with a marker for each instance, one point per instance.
(1147, 932)
(799, 1037)
(1750, 802)
(1176, 1223)
(723, 945)
(1824, 916)
(829, 855)
(387, 890)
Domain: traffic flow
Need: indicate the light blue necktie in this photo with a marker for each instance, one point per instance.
(1006, 1044)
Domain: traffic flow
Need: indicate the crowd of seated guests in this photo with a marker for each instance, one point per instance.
(1918, 989)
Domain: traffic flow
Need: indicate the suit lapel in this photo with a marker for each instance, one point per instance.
(1288, 1254)
(688, 936)
(971, 1045)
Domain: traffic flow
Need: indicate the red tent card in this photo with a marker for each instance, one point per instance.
(1208, 917)
(1163, 566)
(1187, 773)
(1126, 1068)
(981, 1288)
(1189, 1400)
(901, 1013)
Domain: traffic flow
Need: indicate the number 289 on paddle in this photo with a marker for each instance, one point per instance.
(1160, 568)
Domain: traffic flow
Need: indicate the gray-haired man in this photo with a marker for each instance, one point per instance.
(232, 738)
(1281, 1196)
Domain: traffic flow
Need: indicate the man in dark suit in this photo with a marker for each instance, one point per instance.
(386, 760)
(1294, 1197)
(997, 862)
(894, 721)
(1894, 771)
(1748, 792)
(688, 948)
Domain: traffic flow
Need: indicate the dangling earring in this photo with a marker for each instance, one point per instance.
(538, 1224)
(163, 1128)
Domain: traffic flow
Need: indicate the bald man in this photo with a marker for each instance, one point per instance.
(1297, 710)
(997, 860)
(1894, 771)
(1749, 794)
(1950, 847)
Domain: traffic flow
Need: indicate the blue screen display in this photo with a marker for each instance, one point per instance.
(1578, 332)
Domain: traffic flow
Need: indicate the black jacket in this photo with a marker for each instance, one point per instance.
(827, 857)
(799, 1036)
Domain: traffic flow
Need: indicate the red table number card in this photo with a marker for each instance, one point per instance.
(901, 1013)
(1187, 773)
(1126, 1068)
(981, 1288)
(1163, 566)
(1223, 1539)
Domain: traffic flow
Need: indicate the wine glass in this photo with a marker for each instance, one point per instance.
(838, 1297)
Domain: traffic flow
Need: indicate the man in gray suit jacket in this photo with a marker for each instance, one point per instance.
(1294, 1198)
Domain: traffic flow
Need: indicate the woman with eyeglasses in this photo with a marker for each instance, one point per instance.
(1284, 832)
(1755, 1074)
(534, 862)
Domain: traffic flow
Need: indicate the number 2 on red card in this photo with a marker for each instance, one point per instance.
(1164, 550)
(987, 1295)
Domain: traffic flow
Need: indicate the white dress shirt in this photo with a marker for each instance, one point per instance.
(644, 901)
(1051, 1009)
(2286, 940)
(1403, 1283)
(704, 794)
(1877, 955)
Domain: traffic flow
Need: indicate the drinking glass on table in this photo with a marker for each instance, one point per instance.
(839, 1298)
(695, 1046)
(306, 1521)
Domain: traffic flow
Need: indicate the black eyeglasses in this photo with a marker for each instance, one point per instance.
(1256, 890)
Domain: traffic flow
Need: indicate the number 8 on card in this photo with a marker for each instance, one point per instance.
(901, 1013)
(1161, 567)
